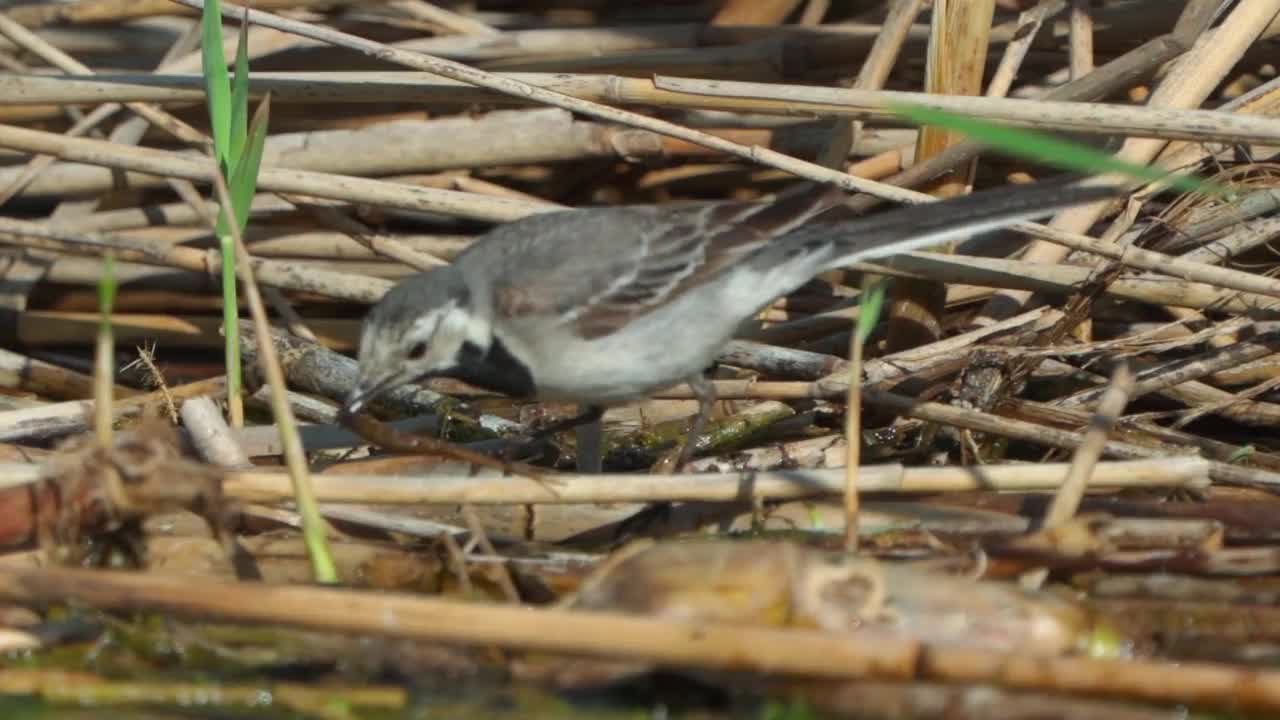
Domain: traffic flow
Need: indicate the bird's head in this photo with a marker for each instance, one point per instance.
(423, 327)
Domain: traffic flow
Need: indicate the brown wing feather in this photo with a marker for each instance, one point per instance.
(698, 247)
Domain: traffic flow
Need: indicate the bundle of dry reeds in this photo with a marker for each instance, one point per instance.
(1057, 441)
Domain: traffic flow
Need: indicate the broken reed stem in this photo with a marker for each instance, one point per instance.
(1081, 39)
(314, 527)
(1085, 459)
(211, 436)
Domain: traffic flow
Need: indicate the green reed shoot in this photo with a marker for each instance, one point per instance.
(104, 361)
(238, 146)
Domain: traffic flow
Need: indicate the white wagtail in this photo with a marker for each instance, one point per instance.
(604, 306)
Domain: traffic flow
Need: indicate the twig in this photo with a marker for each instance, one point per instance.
(147, 359)
(505, 581)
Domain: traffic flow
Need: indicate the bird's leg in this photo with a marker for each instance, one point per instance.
(705, 392)
(589, 446)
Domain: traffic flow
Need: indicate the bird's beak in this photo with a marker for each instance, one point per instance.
(366, 390)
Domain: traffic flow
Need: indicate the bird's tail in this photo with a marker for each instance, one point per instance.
(914, 227)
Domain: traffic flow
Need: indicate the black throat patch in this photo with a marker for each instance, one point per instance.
(496, 370)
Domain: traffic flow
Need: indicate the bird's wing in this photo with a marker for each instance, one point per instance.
(598, 269)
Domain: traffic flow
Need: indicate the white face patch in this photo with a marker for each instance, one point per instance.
(434, 341)
(425, 326)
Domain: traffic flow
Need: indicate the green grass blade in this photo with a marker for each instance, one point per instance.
(1050, 150)
(230, 315)
(107, 287)
(217, 84)
(104, 352)
(244, 180)
(869, 310)
(240, 98)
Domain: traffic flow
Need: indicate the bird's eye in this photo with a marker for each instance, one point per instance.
(417, 351)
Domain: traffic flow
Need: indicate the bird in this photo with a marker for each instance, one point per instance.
(602, 306)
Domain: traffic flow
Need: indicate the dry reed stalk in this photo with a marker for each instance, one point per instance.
(1028, 27)
(1208, 281)
(1194, 77)
(1085, 459)
(1173, 373)
(954, 67)
(324, 185)
(18, 372)
(1081, 51)
(212, 437)
(444, 18)
(1143, 433)
(128, 132)
(285, 275)
(29, 273)
(1261, 101)
(510, 137)
(1076, 117)
(487, 487)
(22, 179)
(58, 419)
(1053, 437)
(1116, 74)
(527, 92)
(168, 215)
(674, 92)
(604, 634)
(380, 244)
(33, 43)
(844, 136)
(754, 12)
(93, 12)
